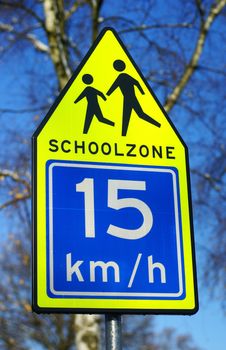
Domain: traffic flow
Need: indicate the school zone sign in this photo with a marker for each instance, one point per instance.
(111, 198)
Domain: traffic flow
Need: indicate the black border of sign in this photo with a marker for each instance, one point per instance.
(35, 306)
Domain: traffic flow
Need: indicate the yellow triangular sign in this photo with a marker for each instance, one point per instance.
(106, 98)
(111, 170)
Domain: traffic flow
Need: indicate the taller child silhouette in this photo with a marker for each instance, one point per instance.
(93, 107)
(127, 84)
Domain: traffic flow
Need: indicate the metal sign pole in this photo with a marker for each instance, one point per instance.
(113, 332)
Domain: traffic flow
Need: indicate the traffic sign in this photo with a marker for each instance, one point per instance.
(111, 196)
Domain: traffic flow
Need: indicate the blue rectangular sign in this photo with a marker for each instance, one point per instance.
(113, 231)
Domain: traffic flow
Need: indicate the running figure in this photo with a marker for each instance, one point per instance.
(93, 107)
(127, 86)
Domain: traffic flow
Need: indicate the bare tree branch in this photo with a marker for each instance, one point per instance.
(213, 70)
(157, 26)
(15, 193)
(192, 65)
(23, 110)
(96, 7)
(15, 177)
(200, 8)
(5, 27)
(74, 8)
(38, 44)
(18, 197)
(21, 5)
(215, 183)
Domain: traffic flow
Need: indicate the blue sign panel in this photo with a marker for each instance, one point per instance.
(113, 231)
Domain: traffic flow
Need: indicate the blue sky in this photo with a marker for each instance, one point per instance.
(207, 326)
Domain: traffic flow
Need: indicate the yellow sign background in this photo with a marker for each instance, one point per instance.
(64, 126)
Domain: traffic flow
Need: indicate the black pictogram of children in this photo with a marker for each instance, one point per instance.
(93, 107)
(127, 85)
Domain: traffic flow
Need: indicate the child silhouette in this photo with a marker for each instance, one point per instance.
(93, 108)
(127, 84)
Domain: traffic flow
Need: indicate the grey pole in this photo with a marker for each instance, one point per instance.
(113, 332)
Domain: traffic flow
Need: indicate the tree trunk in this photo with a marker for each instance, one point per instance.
(54, 25)
(87, 332)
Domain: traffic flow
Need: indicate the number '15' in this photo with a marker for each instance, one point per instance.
(87, 187)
